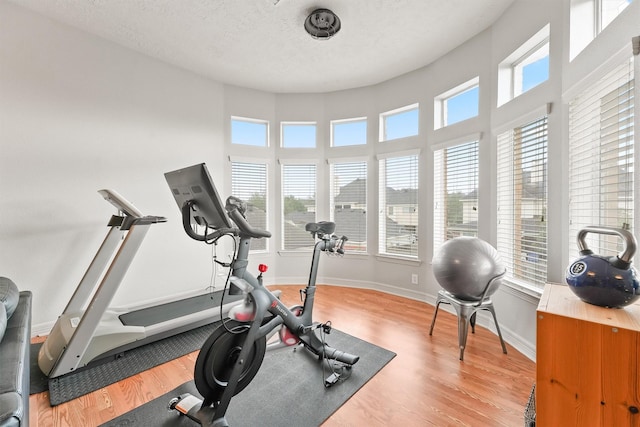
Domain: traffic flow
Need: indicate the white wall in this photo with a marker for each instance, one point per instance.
(78, 113)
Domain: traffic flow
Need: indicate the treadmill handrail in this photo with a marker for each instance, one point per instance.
(128, 221)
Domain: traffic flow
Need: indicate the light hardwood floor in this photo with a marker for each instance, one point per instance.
(424, 385)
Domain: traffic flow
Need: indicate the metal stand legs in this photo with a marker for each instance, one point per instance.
(466, 311)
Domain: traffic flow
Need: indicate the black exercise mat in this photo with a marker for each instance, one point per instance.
(38, 381)
(71, 386)
(287, 391)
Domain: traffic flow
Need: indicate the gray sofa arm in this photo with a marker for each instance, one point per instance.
(11, 410)
(14, 360)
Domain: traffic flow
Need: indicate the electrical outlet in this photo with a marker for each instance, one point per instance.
(414, 279)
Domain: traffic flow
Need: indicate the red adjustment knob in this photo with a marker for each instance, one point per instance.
(262, 268)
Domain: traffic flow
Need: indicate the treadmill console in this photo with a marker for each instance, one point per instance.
(121, 203)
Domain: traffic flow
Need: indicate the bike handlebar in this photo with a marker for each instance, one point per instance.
(333, 244)
(330, 244)
(244, 226)
(186, 224)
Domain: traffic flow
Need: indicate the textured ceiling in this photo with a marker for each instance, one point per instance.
(261, 44)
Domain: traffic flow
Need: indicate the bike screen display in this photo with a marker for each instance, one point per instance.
(194, 184)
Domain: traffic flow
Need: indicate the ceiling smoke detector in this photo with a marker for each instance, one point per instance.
(322, 24)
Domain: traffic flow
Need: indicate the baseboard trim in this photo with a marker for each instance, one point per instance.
(41, 329)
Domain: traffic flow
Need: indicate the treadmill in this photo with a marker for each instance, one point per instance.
(88, 332)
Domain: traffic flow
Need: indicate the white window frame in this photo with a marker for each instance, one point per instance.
(510, 69)
(252, 121)
(335, 123)
(382, 137)
(537, 53)
(441, 102)
(586, 22)
(602, 20)
(283, 125)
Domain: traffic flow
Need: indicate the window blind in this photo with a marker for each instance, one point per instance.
(249, 183)
(298, 205)
(455, 177)
(348, 196)
(522, 202)
(398, 215)
(601, 165)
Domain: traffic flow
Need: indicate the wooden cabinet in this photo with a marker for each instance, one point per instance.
(588, 362)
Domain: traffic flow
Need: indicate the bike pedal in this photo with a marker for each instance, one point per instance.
(331, 380)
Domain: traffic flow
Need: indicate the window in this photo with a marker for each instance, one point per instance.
(249, 182)
(457, 104)
(398, 213)
(608, 10)
(249, 132)
(399, 123)
(525, 68)
(601, 165)
(531, 70)
(298, 135)
(588, 18)
(298, 205)
(455, 178)
(348, 196)
(348, 132)
(522, 202)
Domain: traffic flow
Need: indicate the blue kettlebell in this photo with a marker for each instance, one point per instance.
(604, 281)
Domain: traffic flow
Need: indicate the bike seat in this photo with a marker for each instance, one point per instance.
(322, 227)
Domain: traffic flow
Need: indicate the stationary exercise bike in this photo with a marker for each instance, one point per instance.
(233, 354)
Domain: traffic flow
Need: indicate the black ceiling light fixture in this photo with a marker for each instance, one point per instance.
(322, 24)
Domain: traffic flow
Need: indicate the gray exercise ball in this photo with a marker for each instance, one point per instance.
(463, 266)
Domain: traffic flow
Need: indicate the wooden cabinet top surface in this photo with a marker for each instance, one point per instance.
(560, 300)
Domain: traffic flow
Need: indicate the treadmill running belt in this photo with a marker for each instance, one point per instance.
(172, 310)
